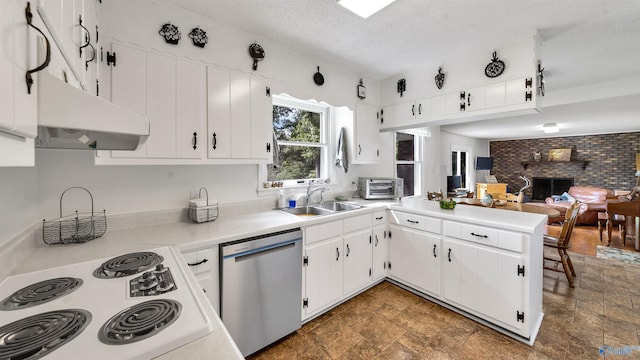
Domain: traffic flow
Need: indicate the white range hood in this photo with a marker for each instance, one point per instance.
(69, 118)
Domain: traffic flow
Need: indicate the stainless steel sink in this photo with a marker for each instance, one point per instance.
(338, 206)
(324, 208)
(307, 211)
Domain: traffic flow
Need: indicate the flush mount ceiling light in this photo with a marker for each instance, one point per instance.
(364, 8)
(550, 128)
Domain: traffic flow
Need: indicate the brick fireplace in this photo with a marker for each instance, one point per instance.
(610, 161)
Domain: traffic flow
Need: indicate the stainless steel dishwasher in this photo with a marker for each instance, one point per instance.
(261, 288)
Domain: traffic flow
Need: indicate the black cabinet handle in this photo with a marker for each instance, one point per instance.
(195, 140)
(198, 263)
(419, 109)
(469, 99)
(413, 110)
(268, 147)
(434, 251)
(29, 15)
(87, 35)
(337, 254)
(215, 141)
(359, 149)
(478, 235)
(348, 251)
(380, 218)
(376, 244)
(449, 255)
(413, 221)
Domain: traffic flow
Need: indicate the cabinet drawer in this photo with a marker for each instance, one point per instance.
(319, 232)
(357, 222)
(418, 222)
(200, 261)
(484, 235)
(379, 218)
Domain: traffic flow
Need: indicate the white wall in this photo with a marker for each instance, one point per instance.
(18, 201)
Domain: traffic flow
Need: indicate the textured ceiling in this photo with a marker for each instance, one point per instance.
(583, 41)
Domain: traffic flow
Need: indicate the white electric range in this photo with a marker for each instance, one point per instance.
(134, 306)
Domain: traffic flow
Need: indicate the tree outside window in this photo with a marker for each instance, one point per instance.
(300, 133)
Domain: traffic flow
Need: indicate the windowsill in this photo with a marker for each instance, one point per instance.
(297, 189)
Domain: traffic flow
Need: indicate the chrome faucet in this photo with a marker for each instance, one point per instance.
(311, 192)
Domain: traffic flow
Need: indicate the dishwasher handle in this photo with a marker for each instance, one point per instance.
(263, 251)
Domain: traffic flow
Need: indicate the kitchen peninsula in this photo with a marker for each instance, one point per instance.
(480, 262)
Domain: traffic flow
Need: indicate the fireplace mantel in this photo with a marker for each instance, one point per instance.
(582, 163)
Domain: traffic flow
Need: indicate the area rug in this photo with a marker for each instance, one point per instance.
(630, 257)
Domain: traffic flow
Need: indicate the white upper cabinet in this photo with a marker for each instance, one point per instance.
(191, 110)
(261, 121)
(239, 126)
(406, 114)
(362, 133)
(161, 106)
(19, 109)
(72, 25)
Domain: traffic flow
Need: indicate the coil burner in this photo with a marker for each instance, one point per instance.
(38, 335)
(139, 322)
(40, 293)
(127, 264)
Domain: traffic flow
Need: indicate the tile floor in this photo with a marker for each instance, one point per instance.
(387, 322)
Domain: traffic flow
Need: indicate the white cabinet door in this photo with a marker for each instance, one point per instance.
(434, 256)
(219, 113)
(191, 110)
(494, 95)
(129, 87)
(323, 274)
(460, 279)
(398, 115)
(408, 256)
(423, 110)
(519, 91)
(475, 98)
(366, 135)
(18, 54)
(511, 290)
(357, 260)
(380, 251)
(261, 121)
(204, 265)
(240, 93)
(161, 106)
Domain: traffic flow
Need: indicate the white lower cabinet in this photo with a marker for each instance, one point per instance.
(380, 246)
(338, 260)
(204, 265)
(323, 274)
(414, 255)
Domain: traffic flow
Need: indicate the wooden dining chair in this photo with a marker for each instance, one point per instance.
(562, 244)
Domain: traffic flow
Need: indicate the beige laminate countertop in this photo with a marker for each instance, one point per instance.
(185, 236)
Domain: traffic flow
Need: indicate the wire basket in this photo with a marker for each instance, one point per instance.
(204, 213)
(74, 228)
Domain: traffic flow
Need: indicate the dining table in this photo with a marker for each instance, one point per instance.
(513, 206)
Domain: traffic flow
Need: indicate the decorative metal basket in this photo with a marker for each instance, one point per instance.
(205, 213)
(74, 228)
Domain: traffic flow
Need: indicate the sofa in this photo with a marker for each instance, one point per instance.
(593, 200)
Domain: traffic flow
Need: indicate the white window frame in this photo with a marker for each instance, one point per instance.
(418, 145)
(469, 165)
(324, 144)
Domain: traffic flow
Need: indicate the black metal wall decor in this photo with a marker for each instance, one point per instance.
(439, 78)
(170, 33)
(362, 91)
(199, 37)
(495, 68)
(402, 86)
(318, 78)
(257, 53)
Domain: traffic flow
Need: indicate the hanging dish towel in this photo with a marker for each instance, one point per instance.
(276, 151)
(341, 151)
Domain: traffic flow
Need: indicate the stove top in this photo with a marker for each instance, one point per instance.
(71, 312)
